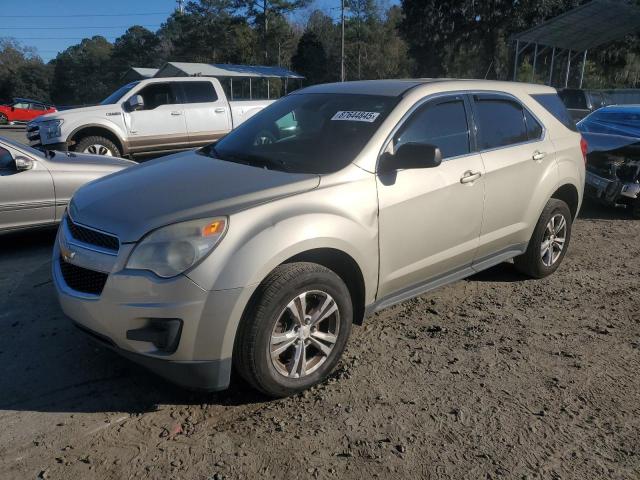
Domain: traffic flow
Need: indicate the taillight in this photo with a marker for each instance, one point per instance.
(584, 146)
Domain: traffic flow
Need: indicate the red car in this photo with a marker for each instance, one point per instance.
(22, 110)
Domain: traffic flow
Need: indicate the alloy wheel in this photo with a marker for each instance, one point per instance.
(98, 149)
(555, 236)
(305, 334)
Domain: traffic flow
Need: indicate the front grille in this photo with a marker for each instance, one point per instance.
(92, 237)
(33, 134)
(82, 279)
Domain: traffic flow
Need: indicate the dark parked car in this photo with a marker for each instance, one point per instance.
(581, 103)
(613, 170)
(614, 120)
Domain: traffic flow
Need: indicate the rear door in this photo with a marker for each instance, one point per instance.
(161, 124)
(206, 110)
(430, 218)
(516, 153)
(27, 197)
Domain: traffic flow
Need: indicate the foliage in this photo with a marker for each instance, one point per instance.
(428, 38)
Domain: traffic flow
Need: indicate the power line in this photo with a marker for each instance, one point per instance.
(79, 28)
(88, 15)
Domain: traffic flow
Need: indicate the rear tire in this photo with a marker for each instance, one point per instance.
(97, 145)
(549, 242)
(294, 333)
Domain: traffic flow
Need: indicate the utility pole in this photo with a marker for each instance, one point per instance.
(180, 5)
(342, 45)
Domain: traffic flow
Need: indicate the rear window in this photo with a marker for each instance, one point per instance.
(199, 92)
(552, 103)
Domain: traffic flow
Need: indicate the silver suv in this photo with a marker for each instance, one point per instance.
(260, 251)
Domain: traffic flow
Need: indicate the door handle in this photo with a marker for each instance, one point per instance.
(220, 110)
(538, 155)
(470, 176)
(176, 114)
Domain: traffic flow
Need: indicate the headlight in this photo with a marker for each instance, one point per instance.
(51, 128)
(173, 249)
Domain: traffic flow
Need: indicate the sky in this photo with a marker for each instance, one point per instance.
(53, 25)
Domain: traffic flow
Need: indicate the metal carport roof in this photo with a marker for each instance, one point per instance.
(177, 69)
(585, 27)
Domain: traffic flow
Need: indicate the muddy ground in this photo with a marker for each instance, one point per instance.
(496, 376)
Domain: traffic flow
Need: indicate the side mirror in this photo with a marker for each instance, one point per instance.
(412, 155)
(13, 109)
(23, 163)
(136, 102)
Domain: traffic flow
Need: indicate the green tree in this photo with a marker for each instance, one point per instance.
(310, 59)
(138, 47)
(82, 73)
(22, 72)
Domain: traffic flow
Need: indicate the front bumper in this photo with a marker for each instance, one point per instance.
(132, 300)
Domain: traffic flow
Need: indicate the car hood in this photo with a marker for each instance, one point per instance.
(177, 188)
(71, 161)
(75, 112)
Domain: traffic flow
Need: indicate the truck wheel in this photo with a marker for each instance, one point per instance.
(98, 146)
(549, 242)
(3, 119)
(295, 331)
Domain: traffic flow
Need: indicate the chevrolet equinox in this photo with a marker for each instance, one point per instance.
(261, 250)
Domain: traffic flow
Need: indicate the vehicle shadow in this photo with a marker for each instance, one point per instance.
(503, 272)
(50, 366)
(592, 210)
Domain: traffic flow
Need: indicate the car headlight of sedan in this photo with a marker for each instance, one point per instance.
(174, 249)
(51, 128)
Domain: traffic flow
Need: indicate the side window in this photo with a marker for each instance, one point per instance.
(199, 92)
(6, 160)
(21, 105)
(443, 124)
(500, 123)
(157, 94)
(534, 129)
(37, 106)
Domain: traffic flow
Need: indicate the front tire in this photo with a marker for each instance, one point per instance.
(549, 242)
(296, 330)
(97, 145)
(3, 119)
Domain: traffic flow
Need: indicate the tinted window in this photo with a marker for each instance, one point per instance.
(534, 129)
(38, 106)
(441, 124)
(552, 103)
(574, 99)
(157, 94)
(500, 123)
(306, 133)
(6, 160)
(199, 92)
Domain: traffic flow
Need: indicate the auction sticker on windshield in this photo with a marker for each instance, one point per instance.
(356, 116)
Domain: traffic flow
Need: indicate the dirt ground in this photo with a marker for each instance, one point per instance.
(493, 377)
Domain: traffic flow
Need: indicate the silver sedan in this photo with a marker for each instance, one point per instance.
(36, 186)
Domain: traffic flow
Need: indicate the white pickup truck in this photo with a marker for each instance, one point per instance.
(154, 115)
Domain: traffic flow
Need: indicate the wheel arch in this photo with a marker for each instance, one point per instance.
(568, 193)
(98, 130)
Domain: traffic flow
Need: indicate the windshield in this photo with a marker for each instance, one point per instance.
(306, 133)
(118, 94)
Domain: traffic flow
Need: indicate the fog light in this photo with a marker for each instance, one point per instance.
(163, 333)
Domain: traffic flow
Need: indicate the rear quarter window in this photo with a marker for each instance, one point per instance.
(552, 104)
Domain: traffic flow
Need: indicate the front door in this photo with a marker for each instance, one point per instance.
(27, 197)
(430, 218)
(160, 124)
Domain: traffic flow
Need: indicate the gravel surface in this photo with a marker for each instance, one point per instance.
(493, 377)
